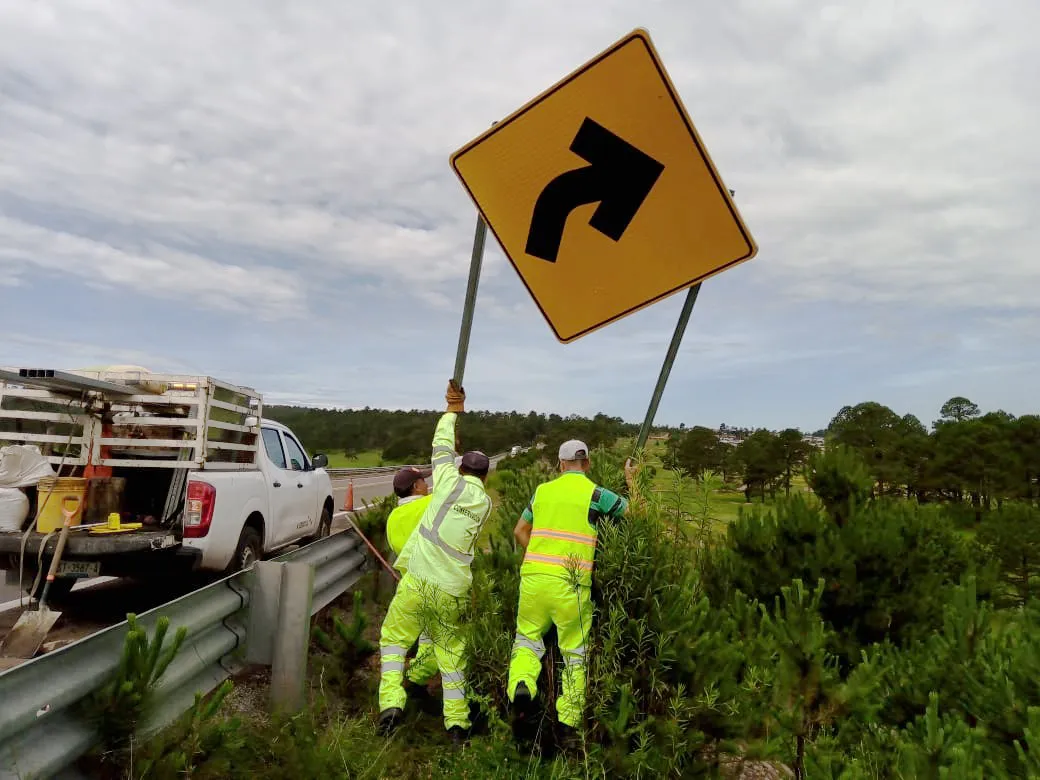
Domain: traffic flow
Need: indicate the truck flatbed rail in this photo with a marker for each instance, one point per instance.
(131, 419)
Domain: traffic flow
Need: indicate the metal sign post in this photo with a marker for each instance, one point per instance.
(666, 369)
(669, 360)
(476, 261)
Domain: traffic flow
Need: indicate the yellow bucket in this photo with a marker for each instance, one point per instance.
(61, 489)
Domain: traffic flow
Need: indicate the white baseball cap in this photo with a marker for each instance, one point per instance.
(574, 450)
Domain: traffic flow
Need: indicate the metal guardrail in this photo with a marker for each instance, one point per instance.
(377, 470)
(42, 727)
(371, 471)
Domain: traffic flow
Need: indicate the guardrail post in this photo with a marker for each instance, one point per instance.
(265, 590)
(292, 637)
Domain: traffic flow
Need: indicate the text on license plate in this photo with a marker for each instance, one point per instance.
(79, 568)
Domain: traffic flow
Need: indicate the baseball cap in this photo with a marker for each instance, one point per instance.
(574, 450)
(406, 477)
(476, 462)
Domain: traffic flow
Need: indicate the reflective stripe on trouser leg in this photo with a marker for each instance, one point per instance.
(532, 621)
(400, 629)
(449, 647)
(572, 613)
(424, 664)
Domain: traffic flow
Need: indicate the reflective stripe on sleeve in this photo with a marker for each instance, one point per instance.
(442, 510)
(432, 536)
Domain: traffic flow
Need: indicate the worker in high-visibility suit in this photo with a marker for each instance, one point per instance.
(413, 496)
(430, 595)
(558, 531)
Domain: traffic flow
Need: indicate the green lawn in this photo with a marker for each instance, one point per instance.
(725, 503)
(363, 460)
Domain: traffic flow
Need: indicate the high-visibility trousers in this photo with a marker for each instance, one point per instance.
(423, 665)
(547, 600)
(419, 608)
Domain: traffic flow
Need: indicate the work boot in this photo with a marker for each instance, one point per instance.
(568, 739)
(523, 729)
(458, 735)
(478, 719)
(389, 720)
(522, 698)
(420, 694)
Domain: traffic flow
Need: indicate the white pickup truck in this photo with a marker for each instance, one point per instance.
(213, 484)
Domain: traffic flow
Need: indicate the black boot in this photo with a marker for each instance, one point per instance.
(420, 694)
(390, 720)
(521, 710)
(568, 739)
(459, 736)
(522, 698)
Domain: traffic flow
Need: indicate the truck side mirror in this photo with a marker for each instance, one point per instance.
(320, 461)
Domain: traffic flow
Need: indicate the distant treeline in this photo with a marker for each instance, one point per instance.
(403, 437)
(966, 456)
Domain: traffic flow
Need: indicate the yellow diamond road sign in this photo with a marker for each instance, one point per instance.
(602, 194)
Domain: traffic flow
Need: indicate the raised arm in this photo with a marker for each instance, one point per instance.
(443, 458)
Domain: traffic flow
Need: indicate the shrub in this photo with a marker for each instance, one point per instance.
(849, 640)
(1010, 537)
(199, 737)
(886, 569)
(841, 479)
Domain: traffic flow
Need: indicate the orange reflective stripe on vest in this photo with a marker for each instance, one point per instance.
(589, 539)
(558, 560)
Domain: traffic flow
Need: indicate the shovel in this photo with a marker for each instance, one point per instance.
(25, 638)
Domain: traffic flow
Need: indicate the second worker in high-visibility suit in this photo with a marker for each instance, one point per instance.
(558, 530)
(413, 496)
(429, 597)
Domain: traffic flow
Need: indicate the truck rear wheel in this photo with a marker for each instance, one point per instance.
(324, 527)
(248, 551)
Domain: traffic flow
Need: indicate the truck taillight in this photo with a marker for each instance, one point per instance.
(198, 510)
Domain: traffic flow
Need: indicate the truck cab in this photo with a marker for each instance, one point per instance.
(233, 519)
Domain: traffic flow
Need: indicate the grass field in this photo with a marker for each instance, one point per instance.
(363, 460)
(725, 504)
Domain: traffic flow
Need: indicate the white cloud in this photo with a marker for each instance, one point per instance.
(290, 162)
(154, 271)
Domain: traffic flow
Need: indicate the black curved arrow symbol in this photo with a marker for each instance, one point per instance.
(618, 177)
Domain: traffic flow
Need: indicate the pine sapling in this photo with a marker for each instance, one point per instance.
(121, 704)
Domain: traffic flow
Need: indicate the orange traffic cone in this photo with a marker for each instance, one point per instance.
(348, 502)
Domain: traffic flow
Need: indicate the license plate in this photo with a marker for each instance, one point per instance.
(79, 568)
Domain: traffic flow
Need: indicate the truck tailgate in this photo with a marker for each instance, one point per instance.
(85, 544)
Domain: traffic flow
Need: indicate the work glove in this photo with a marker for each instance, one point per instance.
(455, 397)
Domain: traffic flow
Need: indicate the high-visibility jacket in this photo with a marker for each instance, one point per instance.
(562, 538)
(440, 550)
(404, 519)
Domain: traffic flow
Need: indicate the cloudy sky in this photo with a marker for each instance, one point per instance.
(260, 190)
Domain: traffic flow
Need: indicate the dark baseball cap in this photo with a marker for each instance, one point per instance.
(405, 478)
(476, 462)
